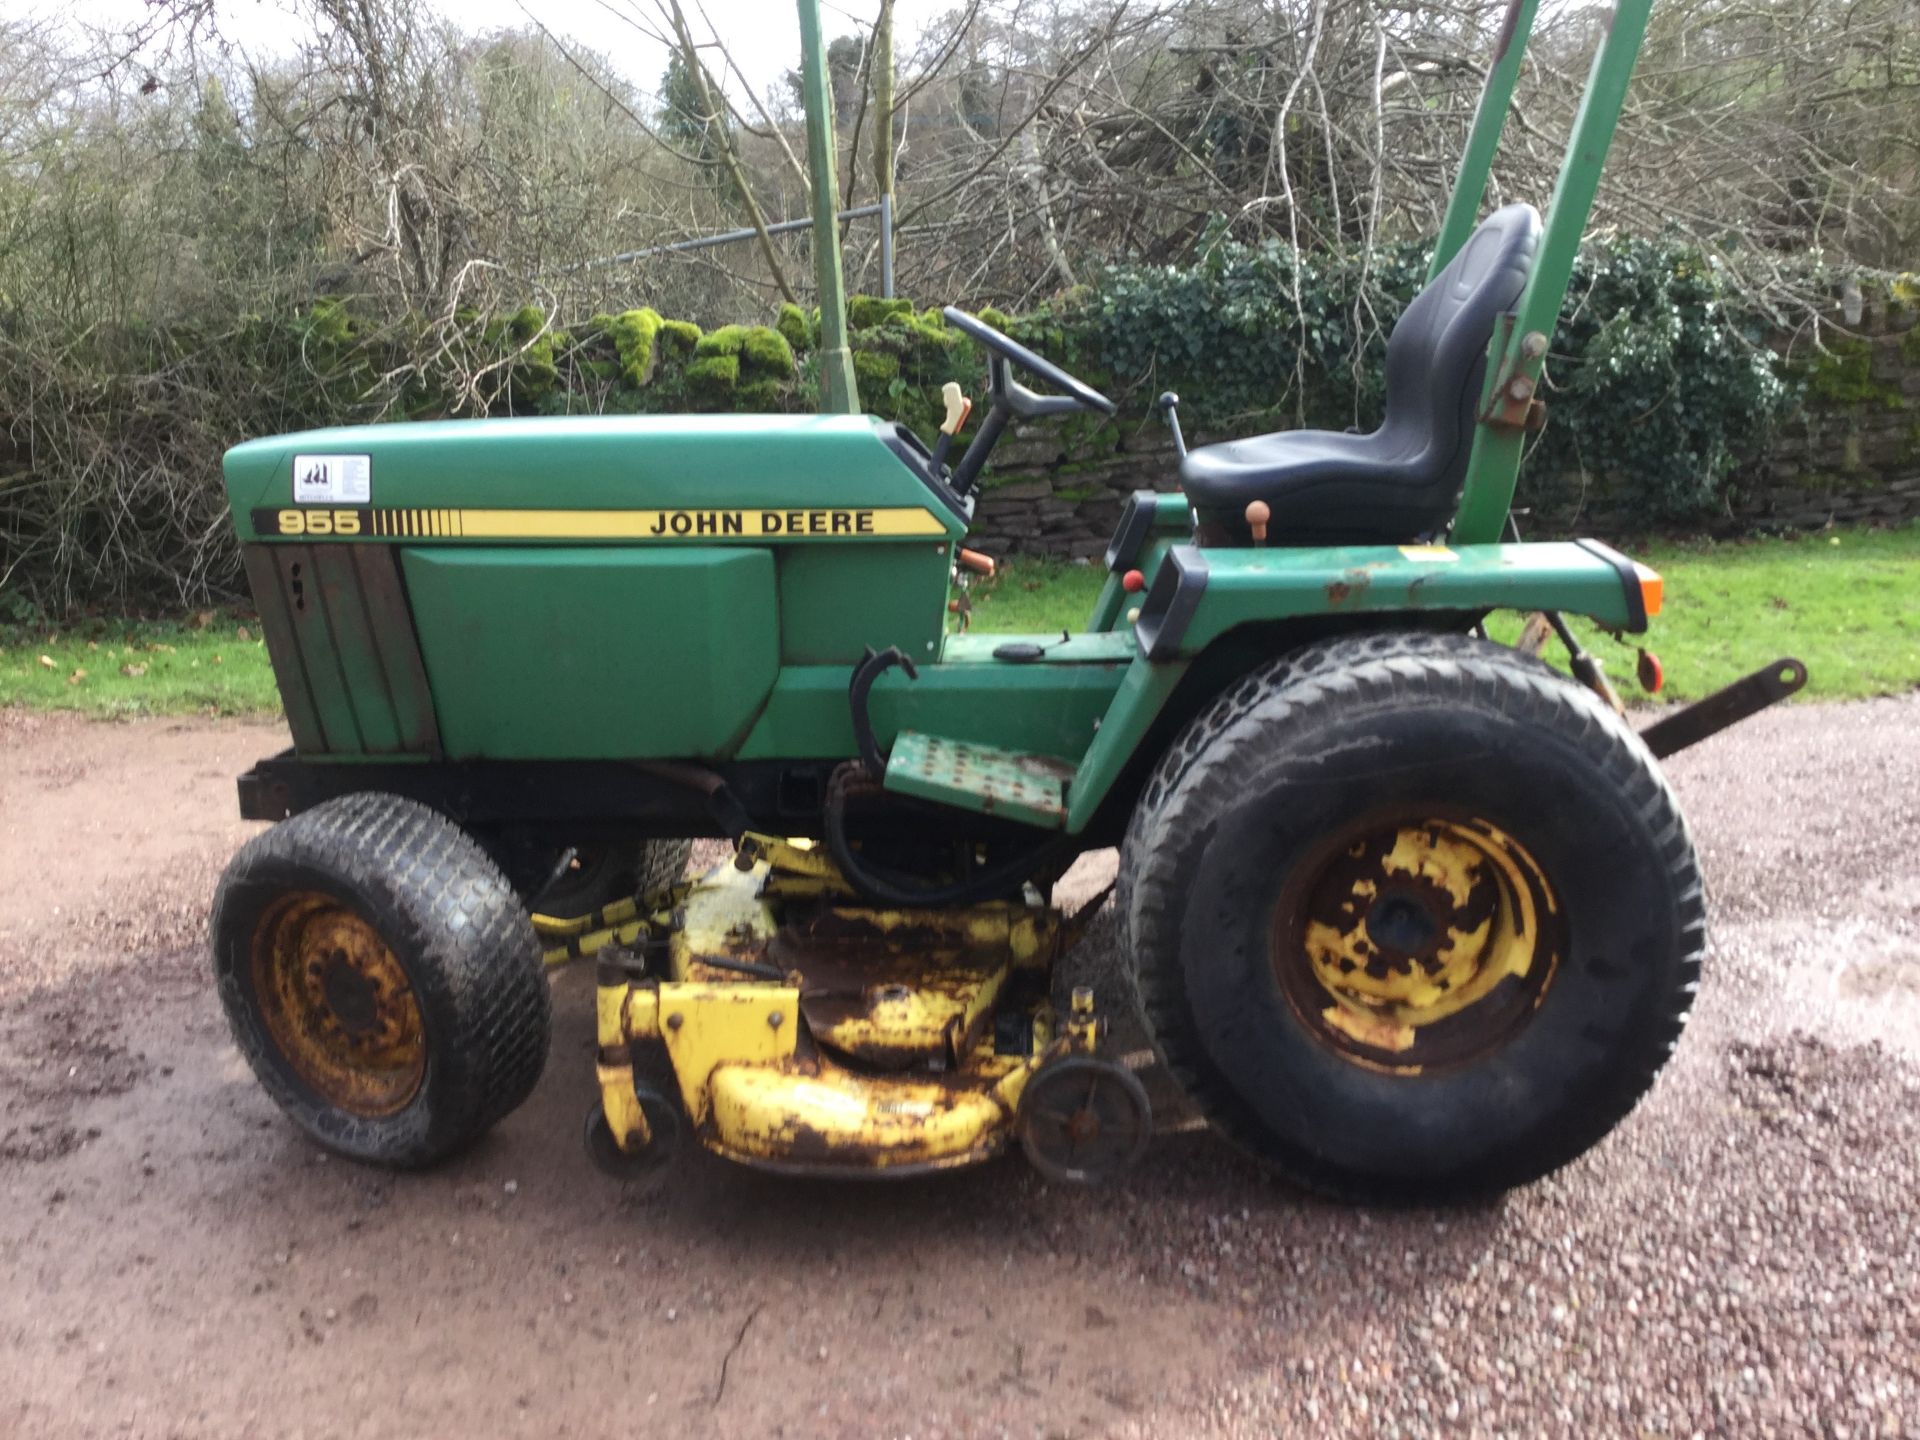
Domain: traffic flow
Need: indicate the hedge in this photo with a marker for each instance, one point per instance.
(1661, 378)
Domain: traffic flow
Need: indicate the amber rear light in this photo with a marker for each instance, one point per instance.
(1652, 588)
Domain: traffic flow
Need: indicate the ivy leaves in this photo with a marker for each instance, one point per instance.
(1659, 383)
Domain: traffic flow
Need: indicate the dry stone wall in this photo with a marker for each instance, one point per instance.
(1851, 455)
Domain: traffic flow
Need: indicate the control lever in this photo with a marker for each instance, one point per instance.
(1168, 405)
(959, 407)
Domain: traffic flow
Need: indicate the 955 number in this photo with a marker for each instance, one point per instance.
(319, 522)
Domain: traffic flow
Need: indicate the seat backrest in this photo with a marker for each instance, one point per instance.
(1436, 356)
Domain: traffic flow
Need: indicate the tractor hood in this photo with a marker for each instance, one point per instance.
(751, 476)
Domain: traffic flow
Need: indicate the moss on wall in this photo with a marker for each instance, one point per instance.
(633, 334)
(678, 337)
(792, 323)
(1844, 376)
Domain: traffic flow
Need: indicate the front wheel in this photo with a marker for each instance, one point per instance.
(1414, 918)
(381, 978)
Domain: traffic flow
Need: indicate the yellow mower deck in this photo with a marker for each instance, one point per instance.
(807, 1032)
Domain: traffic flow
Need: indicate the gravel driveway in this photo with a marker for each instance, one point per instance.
(1739, 1259)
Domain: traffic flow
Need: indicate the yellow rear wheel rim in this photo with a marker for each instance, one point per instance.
(1417, 941)
(337, 1004)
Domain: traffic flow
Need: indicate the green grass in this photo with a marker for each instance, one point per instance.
(210, 664)
(1848, 604)
(1035, 596)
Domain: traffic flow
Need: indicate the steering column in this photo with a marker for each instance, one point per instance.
(1008, 398)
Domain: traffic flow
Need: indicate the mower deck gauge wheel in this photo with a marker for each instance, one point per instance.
(1084, 1120)
(663, 1120)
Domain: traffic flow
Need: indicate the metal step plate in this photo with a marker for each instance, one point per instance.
(1028, 788)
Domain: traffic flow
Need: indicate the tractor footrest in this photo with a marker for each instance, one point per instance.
(983, 778)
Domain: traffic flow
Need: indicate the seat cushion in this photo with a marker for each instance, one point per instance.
(1323, 487)
(1403, 481)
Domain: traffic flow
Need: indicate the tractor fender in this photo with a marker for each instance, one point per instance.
(1201, 600)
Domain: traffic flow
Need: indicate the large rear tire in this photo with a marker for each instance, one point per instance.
(381, 978)
(1412, 917)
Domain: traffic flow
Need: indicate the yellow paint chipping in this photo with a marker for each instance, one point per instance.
(898, 1067)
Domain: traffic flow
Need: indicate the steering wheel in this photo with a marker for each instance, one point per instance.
(1079, 395)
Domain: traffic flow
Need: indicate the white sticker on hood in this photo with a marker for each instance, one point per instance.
(332, 479)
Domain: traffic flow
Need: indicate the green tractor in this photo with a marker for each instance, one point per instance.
(1407, 912)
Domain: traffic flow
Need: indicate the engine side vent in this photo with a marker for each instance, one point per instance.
(340, 634)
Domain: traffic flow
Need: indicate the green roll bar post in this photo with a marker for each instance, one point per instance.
(1509, 406)
(839, 393)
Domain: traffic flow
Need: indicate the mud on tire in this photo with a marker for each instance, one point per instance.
(381, 978)
(1471, 734)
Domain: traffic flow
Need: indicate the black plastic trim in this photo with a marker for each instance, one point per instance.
(1130, 536)
(1629, 582)
(1171, 603)
(910, 452)
(482, 793)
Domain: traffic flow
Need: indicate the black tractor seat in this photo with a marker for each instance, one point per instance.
(1402, 482)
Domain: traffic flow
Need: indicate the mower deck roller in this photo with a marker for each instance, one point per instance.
(1406, 913)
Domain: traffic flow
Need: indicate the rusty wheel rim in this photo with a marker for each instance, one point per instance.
(1415, 941)
(337, 1005)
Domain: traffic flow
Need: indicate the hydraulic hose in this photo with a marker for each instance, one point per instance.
(883, 886)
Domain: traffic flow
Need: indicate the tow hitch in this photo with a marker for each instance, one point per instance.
(1741, 700)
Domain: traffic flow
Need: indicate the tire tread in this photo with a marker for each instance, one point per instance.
(460, 933)
(1199, 776)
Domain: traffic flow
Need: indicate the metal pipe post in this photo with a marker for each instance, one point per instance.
(886, 244)
(839, 394)
(724, 237)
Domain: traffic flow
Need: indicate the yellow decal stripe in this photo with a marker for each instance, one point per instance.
(696, 525)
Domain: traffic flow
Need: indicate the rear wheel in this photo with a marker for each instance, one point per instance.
(381, 978)
(603, 872)
(1413, 918)
(598, 872)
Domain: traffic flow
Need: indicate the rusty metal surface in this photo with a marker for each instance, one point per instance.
(812, 1113)
(1741, 700)
(892, 1001)
(1417, 942)
(337, 1005)
(876, 1052)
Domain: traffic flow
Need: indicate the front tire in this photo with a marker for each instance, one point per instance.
(1413, 918)
(381, 978)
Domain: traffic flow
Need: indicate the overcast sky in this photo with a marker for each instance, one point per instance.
(764, 35)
